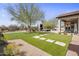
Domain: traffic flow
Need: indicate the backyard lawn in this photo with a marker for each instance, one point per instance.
(50, 48)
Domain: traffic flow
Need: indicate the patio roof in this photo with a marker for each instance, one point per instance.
(68, 14)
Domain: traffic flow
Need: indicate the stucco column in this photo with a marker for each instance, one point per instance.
(75, 27)
(59, 25)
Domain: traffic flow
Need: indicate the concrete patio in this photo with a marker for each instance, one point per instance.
(73, 49)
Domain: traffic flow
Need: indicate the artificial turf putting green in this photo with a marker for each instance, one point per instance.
(50, 48)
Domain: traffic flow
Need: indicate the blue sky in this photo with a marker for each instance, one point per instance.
(51, 10)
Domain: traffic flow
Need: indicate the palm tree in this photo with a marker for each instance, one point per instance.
(26, 14)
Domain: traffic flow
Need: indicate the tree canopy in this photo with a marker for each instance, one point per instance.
(50, 24)
(26, 13)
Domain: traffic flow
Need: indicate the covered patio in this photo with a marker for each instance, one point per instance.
(71, 22)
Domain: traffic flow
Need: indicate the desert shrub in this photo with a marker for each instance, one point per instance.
(34, 29)
(59, 33)
(11, 50)
(65, 33)
(2, 39)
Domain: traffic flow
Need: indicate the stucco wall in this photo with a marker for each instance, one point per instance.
(78, 25)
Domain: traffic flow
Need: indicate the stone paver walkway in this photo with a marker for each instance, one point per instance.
(29, 49)
(73, 49)
(60, 43)
(49, 40)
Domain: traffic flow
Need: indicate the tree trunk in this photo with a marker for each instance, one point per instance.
(30, 26)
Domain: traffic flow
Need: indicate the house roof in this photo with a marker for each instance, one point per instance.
(68, 14)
